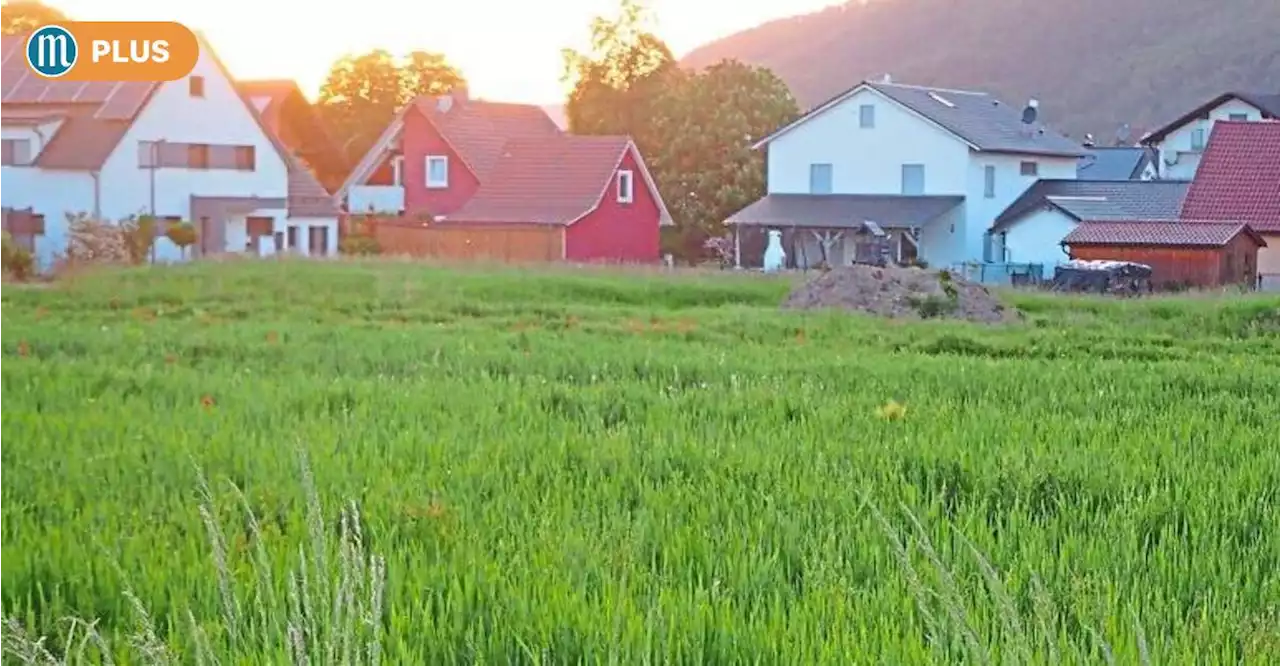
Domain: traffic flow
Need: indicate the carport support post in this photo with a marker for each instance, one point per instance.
(737, 246)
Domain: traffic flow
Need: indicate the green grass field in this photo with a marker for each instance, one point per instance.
(564, 467)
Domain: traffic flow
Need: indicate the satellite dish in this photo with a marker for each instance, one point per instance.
(1030, 113)
(1088, 141)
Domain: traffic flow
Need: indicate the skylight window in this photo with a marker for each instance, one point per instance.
(942, 100)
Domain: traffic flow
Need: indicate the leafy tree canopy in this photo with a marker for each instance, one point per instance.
(363, 92)
(22, 16)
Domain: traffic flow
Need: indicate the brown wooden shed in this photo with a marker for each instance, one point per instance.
(1180, 253)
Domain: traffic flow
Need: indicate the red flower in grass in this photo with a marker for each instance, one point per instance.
(24, 349)
(207, 402)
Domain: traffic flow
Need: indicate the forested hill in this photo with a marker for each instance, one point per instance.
(1093, 64)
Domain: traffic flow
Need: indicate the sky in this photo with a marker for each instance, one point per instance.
(509, 50)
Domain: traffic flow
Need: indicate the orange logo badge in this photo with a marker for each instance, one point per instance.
(113, 51)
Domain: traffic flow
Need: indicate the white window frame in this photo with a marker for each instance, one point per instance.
(989, 181)
(1238, 117)
(28, 158)
(626, 194)
(1029, 168)
(1198, 138)
(397, 171)
(867, 116)
(437, 184)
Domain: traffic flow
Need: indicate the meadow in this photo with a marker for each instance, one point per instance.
(293, 462)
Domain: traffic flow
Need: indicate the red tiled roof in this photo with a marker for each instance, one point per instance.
(1239, 176)
(1169, 233)
(307, 197)
(548, 180)
(478, 129)
(529, 170)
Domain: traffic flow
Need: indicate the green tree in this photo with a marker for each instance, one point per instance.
(425, 73)
(705, 125)
(362, 93)
(617, 80)
(22, 16)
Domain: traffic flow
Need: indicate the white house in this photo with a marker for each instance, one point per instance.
(190, 150)
(933, 167)
(1181, 142)
(1031, 229)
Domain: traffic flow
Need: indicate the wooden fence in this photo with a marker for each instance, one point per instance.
(512, 243)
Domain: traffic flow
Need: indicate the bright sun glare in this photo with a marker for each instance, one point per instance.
(508, 49)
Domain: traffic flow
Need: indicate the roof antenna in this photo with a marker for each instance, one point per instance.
(1029, 115)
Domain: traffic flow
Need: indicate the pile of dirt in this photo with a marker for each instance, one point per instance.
(911, 293)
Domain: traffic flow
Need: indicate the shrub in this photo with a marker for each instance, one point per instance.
(182, 234)
(93, 241)
(139, 235)
(359, 244)
(18, 261)
(933, 305)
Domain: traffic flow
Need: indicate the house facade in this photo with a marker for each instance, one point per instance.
(186, 150)
(1031, 229)
(1239, 181)
(933, 167)
(1180, 144)
(472, 166)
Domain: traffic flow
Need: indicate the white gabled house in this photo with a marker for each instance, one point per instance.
(190, 150)
(932, 167)
(1180, 143)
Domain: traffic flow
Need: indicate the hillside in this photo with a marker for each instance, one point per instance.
(1094, 64)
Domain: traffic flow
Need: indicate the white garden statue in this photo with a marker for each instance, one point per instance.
(774, 257)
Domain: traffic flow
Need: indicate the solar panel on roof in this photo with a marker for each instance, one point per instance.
(64, 92)
(28, 90)
(96, 92)
(9, 82)
(126, 101)
(11, 47)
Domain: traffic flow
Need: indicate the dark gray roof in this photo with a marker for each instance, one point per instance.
(981, 119)
(975, 117)
(1100, 200)
(1120, 163)
(1267, 103)
(843, 211)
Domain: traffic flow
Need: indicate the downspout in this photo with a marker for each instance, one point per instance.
(97, 193)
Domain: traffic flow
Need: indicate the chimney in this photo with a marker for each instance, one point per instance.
(887, 78)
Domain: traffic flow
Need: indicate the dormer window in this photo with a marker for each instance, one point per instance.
(626, 186)
(17, 152)
(437, 171)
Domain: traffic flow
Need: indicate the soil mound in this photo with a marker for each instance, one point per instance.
(908, 293)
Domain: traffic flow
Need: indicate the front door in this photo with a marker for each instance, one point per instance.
(256, 228)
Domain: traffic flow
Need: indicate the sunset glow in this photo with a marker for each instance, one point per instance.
(508, 50)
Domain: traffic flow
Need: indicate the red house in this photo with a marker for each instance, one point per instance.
(504, 178)
(1239, 180)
